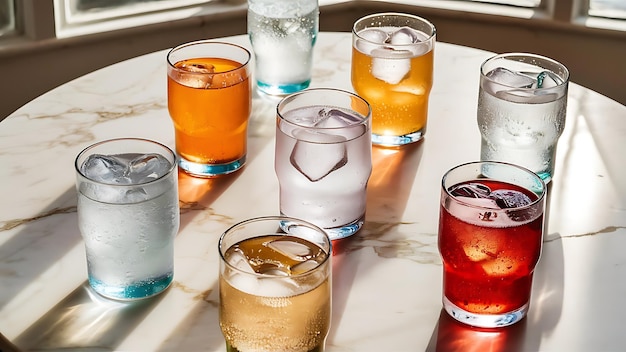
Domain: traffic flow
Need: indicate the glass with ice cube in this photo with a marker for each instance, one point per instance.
(209, 101)
(490, 238)
(522, 104)
(392, 68)
(283, 34)
(323, 158)
(274, 284)
(128, 215)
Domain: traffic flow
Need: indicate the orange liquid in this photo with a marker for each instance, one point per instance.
(397, 109)
(211, 112)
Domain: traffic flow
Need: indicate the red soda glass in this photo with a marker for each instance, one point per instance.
(490, 238)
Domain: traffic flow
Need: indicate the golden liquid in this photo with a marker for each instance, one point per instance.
(296, 323)
(397, 109)
(210, 122)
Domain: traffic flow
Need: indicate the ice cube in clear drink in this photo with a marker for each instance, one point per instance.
(109, 169)
(318, 153)
(510, 78)
(147, 167)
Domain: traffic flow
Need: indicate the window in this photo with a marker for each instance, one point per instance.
(7, 17)
(608, 8)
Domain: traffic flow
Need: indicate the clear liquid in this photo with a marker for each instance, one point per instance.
(130, 247)
(521, 133)
(338, 198)
(283, 46)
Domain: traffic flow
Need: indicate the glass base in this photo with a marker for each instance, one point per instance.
(282, 89)
(395, 141)
(139, 290)
(337, 233)
(210, 170)
(484, 320)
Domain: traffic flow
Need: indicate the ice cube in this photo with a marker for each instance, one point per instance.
(304, 267)
(293, 250)
(507, 199)
(147, 167)
(239, 260)
(478, 249)
(335, 118)
(391, 65)
(500, 266)
(271, 286)
(196, 75)
(403, 36)
(316, 154)
(471, 190)
(509, 78)
(109, 169)
(371, 38)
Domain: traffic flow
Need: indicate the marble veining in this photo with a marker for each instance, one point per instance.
(386, 279)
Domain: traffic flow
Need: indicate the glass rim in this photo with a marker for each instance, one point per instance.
(508, 56)
(211, 43)
(292, 96)
(275, 218)
(83, 152)
(533, 203)
(431, 35)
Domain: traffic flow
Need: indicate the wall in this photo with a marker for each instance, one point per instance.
(596, 58)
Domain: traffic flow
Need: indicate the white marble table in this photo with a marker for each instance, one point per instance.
(386, 279)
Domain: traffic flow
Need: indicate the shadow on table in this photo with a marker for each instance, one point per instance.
(85, 321)
(452, 336)
(388, 191)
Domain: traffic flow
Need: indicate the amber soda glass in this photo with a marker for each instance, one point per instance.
(209, 101)
(392, 68)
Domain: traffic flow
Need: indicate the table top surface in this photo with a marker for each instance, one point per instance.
(386, 279)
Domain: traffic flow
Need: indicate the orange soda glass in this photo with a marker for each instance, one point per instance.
(209, 101)
(392, 68)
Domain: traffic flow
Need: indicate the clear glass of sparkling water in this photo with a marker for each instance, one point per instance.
(282, 34)
(522, 104)
(323, 158)
(128, 215)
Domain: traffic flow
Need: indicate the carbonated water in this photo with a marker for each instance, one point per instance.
(283, 33)
(128, 216)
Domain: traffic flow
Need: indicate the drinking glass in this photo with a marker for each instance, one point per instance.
(392, 68)
(283, 34)
(128, 215)
(490, 237)
(275, 286)
(209, 101)
(323, 158)
(521, 110)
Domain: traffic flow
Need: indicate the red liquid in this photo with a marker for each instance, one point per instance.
(487, 269)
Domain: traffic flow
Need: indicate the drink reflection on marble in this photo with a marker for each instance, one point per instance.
(209, 101)
(392, 68)
(283, 34)
(522, 102)
(323, 158)
(490, 237)
(128, 216)
(274, 283)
